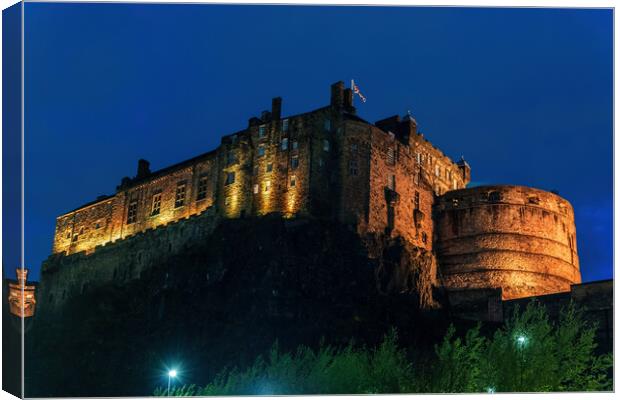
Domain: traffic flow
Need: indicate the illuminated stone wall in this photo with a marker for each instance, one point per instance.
(518, 238)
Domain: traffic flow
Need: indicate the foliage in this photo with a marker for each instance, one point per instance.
(529, 354)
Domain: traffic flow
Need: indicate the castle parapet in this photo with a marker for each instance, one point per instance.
(516, 238)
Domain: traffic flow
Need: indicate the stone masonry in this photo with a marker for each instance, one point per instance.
(384, 178)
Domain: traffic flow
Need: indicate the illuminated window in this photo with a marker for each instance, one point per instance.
(269, 167)
(255, 188)
(418, 158)
(416, 201)
(261, 131)
(353, 167)
(391, 158)
(179, 198)
(454, 184)
(202, 188)
(325, 144)
(285, 125)
(156, 204)
(294, 162)
(293, 181)
(295, 145)
(132, 212)
(284, 143)
(230, 178)
(437, 171)
(327, 124)
(261, 150)
(267, 186)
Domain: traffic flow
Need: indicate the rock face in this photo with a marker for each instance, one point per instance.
(516, 238)
(221, 300)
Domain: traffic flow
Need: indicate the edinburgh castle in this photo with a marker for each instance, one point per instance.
(383, 178)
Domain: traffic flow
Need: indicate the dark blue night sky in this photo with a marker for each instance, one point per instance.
(524, 94)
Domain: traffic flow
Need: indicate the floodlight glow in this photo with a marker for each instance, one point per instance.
(172, 373)
(521, 339)
(491, 389)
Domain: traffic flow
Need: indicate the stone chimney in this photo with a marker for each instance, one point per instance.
(337, 99)
(348, 101)
(143, 169)
(276, 108)
(22, 276)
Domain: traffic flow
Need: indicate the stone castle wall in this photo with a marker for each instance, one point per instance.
(379, 178)
(64, 277)
(327, 162)
(518, 238)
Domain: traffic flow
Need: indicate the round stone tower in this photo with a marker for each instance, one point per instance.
(516, 238)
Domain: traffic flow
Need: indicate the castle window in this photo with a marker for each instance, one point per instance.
(320, 162)
(416, 177)
(327, 124)
(202, 188)
(295, 144)
(285, 125)
(325, 144)
(226, 202)
(391, 158)
(424, 237)
(68, 235)
(156, 204)
(437, 171)
(418, 158)
(353, 146)
(255, 188)
(234, 139)
(267, 186)
(454, 184)
(416, 201)
(75, 238)
(261, 131)
(255, 170)
(230, 157)
(293, 181)
(392, 182)
(261, 150)
(353, 167)
(97, 225)
(179, 199)
(284, 143)
(269, 167)
(294, 162)
(230, 178)
(132, 212)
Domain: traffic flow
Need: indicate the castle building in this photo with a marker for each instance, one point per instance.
(381, 178)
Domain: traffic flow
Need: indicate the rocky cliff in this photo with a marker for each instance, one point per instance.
(225, 299)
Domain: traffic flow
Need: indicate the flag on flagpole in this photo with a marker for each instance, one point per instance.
(356, 90)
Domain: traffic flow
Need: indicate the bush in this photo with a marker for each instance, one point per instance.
(529, 354)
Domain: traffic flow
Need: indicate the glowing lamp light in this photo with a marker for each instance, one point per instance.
(172, 373)
(491, 389)
(521, 339)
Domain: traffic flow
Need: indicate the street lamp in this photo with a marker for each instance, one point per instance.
(521, 340)
(491, 389)
(171, 374)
